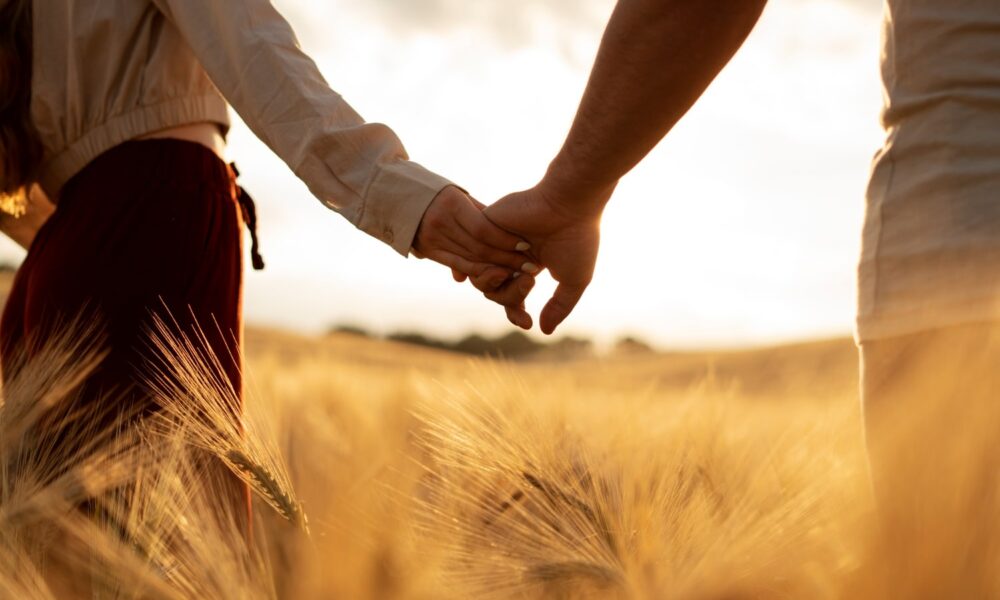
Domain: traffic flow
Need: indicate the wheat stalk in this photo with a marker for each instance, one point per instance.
(270, 488)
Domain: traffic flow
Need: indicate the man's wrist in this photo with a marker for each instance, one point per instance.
(573, 193)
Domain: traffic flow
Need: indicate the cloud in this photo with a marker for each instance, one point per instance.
(510, 23)
(504, 23)
(866, 6)
(569, 28)
(482, 91)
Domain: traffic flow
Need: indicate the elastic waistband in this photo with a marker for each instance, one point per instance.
(157, 161)
(117, 130)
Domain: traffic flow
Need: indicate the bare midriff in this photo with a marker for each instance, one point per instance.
(206, 134)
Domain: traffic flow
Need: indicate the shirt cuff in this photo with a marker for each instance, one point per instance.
(396, 200)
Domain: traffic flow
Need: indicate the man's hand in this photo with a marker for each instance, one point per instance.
(564, 236)
(455, 233)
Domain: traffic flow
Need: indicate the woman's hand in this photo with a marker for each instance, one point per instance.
(455, 233)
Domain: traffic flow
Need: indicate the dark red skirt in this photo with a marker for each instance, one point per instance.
(151, 227)
(148, 227)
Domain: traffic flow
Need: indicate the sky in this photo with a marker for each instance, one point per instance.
(742, 227)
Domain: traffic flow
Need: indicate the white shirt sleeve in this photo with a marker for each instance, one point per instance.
(359, 169)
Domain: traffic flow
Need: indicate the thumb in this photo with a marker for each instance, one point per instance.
(559, 307)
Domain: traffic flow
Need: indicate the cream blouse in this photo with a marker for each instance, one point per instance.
(107, 71)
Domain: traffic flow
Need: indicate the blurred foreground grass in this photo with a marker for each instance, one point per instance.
(426, 475)
(695, 475)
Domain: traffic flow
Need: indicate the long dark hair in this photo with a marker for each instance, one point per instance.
(20, 148)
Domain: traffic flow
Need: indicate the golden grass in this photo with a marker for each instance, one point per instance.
(428, 476)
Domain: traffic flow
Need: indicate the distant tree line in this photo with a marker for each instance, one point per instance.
(515, 345)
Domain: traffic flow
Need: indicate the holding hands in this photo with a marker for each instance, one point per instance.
(635, 95)
(454, 232)
(500, 248)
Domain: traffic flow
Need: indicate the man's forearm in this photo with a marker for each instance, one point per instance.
(655, 60)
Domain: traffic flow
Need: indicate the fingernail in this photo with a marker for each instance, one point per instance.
(522, 247)
(530, 268)
(516, 275)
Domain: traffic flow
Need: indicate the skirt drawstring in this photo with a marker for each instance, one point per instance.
(249, 211)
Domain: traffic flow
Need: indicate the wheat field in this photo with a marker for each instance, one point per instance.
(382, 470)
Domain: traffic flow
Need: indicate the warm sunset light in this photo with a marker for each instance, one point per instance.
(741, 227)
(500, 299)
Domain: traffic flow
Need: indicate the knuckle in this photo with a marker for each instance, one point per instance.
(480, 281)
(498, 257)
(481, 250)
(481, 230)
(436, 220)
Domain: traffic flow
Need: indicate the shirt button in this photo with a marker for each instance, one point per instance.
(387, 235)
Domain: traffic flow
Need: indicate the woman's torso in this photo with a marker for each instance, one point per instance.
(107, 71)
(206, 134)
(931, 244)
